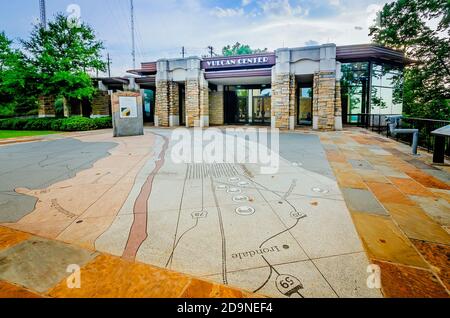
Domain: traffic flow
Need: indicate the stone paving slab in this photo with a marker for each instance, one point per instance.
(410, 241)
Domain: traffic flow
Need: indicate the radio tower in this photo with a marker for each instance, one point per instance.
(43, 13)
(133, 43)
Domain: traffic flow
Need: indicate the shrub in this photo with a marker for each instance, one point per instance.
(66, 124)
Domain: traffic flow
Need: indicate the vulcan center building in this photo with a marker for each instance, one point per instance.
(323, 86)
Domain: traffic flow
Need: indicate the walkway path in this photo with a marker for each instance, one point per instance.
(400, 205)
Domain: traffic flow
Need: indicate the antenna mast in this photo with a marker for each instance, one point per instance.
(133, 42)
(43, 13)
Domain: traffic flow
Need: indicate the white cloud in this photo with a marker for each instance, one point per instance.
(246, 2)
(334, 2)
(227, 12)
(281, 8)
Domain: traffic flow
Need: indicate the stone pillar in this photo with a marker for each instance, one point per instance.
(338, 107)
(204, 102)
(192, 103)
(162, 104)
(162, 98)
(324, 100)
(47, 106)
(174, 104)
(216, 107)
(283, 90)
(293, 101)
(280, 100)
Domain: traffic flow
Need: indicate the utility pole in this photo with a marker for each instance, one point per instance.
(211, 51)
(133, 42)
(183, 51)
(43, 13)
(109, 65)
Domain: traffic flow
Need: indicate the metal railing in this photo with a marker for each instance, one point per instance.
(378, 124)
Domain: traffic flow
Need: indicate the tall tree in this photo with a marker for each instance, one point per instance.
(62, 54)
(17, 81)
(240, 49)
(421, 28)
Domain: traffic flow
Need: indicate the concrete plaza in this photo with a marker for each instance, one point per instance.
(139, 224)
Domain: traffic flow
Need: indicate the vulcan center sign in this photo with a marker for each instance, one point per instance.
(244, 61)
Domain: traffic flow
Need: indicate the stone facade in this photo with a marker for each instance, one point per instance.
(162, 102)
(216, 108)
(47, 106)
(281, 104)
(174, 104)
(192, 103)
(293, 102)
(204, 105)
(324, 100)
(101, 104)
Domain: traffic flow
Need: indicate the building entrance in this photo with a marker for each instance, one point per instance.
(248, 105)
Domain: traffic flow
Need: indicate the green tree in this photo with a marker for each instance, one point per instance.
(17, 81)
(240, 49)
(421, 29)
(62, 54)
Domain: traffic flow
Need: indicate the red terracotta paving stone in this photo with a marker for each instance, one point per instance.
(407, 282)
(438, 256)
(427, 181)
(203, 289)
(10, 237)
(387, 193)
(411, 187)
(8, 290)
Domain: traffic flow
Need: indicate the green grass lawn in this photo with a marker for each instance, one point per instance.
(24, 133)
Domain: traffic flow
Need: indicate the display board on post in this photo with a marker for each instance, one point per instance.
(127, 114)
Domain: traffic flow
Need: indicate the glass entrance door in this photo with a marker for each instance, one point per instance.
(305, 109)
(262, 106)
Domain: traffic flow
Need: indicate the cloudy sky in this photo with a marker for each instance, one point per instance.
(164, 26)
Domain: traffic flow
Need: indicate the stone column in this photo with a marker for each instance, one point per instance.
(47, 106)
(162, 104)
(293, 101)
(338, 107)
(283, 90)
(216, 106)
(197, 95)
(204, 102)
(192, 103)
(174, 104)
(324, 100)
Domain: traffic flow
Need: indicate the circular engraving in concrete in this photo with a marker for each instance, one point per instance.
(234, 190)
(241, 198)
(319, 190)
(234, 179)
(243, 184)
(245, 210)
(297, 215)
(221, 187)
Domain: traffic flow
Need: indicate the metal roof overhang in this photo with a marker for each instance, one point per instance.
(370, 52)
